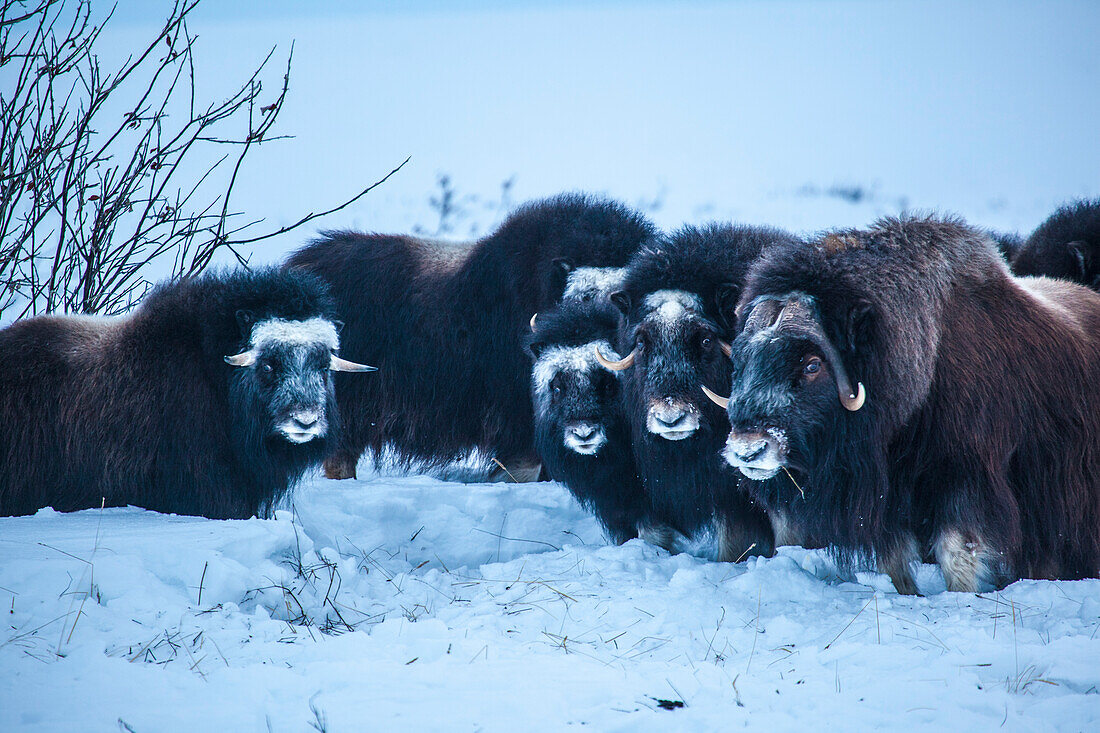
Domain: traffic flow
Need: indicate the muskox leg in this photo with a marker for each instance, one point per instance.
(743, 534)
(967, 561)
(515, 470)
(341, 464)
(663, 536)
(897, 562)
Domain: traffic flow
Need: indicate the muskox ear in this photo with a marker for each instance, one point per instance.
(1084, 258)
(621, 300)
(560, 268)
(859, 325)
(725, 304)
(245, 320)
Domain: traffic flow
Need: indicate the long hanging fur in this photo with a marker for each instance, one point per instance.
(445, 324)
(143, 410)
(978, 440)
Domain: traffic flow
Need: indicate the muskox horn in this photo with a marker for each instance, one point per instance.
(337, 364)
(726, 348)
(616, 366)
(243, 359)
(722, 402)
(851, 399)
(533, 317)
(854, 401)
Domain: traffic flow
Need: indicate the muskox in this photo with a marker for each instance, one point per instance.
(445, 324)
(1066, 245)
(580, 432)
(678, 304)
(211, 398)
(924, 402)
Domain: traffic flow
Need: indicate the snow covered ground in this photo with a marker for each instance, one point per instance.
(416, 604)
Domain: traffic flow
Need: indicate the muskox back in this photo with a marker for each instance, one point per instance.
(1066, 246)
(143, 409)
(445, 324)
(580, 432)
(927, 401)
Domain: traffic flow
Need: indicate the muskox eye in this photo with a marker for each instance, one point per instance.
(705, 343)
(266, 366)
(557, 390)
(813, 366)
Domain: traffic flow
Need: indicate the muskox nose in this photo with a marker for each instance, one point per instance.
(757, 454)
(670, 417)
(306, 421)
(749, 452)
(583, 433)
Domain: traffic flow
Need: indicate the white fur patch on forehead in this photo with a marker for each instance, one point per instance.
(302, 333)
(671, 306)
(580, 359)
(593, 281)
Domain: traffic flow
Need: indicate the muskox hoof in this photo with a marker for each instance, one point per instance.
(340, 467)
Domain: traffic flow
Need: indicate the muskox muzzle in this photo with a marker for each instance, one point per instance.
(759, 455)
(584, 437)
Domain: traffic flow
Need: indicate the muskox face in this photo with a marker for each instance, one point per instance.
(675, 347)
(284, 378)
(575, 396)
(787, 377)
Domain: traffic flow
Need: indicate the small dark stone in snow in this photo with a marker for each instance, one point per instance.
(668, 704)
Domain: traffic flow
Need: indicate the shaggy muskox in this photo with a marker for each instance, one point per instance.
(580, 432)
(1066, 245)
(678, 304)
(445, 324)
(925, 401)
(211, 398)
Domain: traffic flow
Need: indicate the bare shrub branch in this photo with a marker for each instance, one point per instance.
(111, 177)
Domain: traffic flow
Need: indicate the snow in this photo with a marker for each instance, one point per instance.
(417, 604)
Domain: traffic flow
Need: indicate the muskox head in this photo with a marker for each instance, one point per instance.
(283, 378)
(790, 386)
(674, 347)
(574, 396)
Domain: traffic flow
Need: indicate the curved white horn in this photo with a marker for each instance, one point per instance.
(533, 317)
(854, 401)
(722, 402)
(616, 366)
(337, 364)
(243, 359)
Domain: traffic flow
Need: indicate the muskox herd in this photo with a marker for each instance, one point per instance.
(920, 390)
